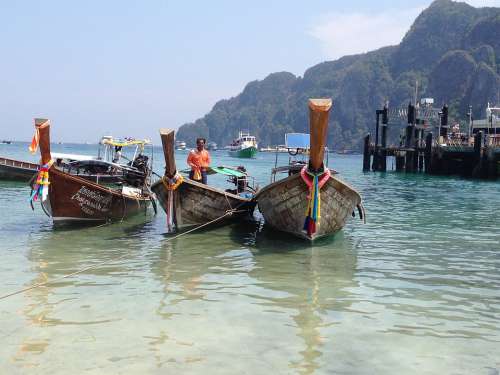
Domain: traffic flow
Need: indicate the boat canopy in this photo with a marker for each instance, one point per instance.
(227, 171)
(77, 157)
(297, 140)
(124, 142)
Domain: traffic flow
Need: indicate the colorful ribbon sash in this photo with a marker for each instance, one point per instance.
(314, 183)
(41, 188)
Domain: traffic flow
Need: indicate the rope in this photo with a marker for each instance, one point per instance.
(228, 213)
(227, 200)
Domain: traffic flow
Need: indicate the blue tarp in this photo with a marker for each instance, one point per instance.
(297, 140)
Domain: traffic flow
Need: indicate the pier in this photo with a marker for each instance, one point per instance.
(430, 145)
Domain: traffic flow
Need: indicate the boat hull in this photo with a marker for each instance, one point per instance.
(197, 203)
(248, 153)
(73, 199)
(15, 170)
(283, 205)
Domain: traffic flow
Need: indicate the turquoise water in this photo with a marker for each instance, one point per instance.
(415, 290)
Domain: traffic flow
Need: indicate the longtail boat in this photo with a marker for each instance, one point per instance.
(187, 202)
(310, 203)
(69, 198)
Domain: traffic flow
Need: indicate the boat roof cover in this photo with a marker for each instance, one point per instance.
(60, 155)
(297, 140)
(124, 142)
(228, 171)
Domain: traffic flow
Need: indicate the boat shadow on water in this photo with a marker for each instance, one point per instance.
(256, 234)
(138, 223)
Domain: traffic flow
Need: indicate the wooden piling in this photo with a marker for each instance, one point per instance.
(478, 159)
(383, 151)
(428, 153)
(366, 154)
(376, 162)
(400, 161)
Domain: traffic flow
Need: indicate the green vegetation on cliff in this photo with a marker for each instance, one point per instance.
(452, 49)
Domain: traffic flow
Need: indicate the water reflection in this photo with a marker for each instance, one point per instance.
(252, 283)
(56, 253)
(317, 281)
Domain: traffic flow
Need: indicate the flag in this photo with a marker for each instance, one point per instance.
(39, 122)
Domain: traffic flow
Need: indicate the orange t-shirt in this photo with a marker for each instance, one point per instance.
(198, 159)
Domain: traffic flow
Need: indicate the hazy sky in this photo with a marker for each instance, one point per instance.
(127, 68)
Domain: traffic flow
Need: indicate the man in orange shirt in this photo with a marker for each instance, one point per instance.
(199, 161)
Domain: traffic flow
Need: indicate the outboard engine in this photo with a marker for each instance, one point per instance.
(141, 163)
(136, 176)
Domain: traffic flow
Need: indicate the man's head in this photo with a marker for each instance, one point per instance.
(200, 143)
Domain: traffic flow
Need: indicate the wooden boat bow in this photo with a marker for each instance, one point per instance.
(167, 141)
(319, 110)
(42, 127)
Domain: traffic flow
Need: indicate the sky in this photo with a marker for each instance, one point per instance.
(127, 68)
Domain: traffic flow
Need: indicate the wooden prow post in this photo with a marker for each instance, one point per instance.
(43, 127)
(167, 140)
(319, 110)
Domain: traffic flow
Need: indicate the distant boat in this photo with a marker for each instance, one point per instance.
(6, 142)
(212, 146)
(279, 148)
(180, 145)
(490, 124)
(245, 146)
(347, 152)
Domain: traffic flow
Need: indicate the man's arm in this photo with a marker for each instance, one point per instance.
(209, 160)
(190, 159)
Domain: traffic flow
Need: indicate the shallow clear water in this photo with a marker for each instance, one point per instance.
(415, 290)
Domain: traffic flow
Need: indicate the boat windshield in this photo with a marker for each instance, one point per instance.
(297, 141)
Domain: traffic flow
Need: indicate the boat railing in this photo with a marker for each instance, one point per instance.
(242, 184)
(18, 164)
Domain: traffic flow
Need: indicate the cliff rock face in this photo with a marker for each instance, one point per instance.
(452, 49)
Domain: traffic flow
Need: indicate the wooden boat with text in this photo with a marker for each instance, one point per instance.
(310, 203)
(187, 202)
(69, 198)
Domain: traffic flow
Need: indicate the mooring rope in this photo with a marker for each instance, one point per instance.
(228, 213)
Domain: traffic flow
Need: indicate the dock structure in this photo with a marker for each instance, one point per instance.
(430, 145)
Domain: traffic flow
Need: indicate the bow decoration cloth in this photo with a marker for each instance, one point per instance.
(314, 183)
